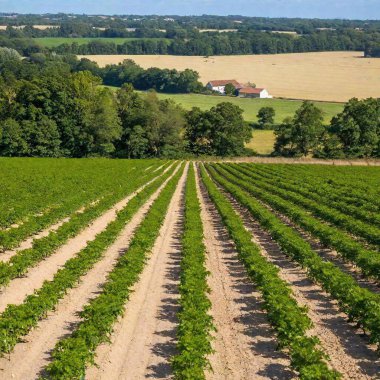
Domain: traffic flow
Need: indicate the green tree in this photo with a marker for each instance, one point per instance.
(220, 131)
(137, 143)
(265, 117)
(283, 144)
(230, 89)
(12, 142)
(42, 137)
(358, 127)
(302, 135)
(8, 55)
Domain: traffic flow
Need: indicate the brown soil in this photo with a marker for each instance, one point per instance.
(31, 355)
(349, 351)
(145, 338)
(28, 243)
(245, 344)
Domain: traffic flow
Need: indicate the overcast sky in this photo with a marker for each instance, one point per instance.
(354, 9)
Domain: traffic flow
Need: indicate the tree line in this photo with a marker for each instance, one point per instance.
(49, 110)
(353, 133)
(211, 43)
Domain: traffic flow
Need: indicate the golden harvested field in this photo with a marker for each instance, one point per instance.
(327, 76)
(40, 27)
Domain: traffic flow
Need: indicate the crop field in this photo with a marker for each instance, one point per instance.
(56, 41)
(325, 76)
(132, 269)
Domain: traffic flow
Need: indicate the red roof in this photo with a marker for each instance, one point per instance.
(217, 83)
(251, 90)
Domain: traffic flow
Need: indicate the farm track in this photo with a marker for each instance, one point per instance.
(349, 351)
(31, 355)
(20, 287)
(244, 344)
(145, 338)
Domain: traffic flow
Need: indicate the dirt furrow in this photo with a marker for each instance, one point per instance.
(28, 243)
(349, 351)
(19, 288)
(31, 355)
(245, 344)
(145, 338)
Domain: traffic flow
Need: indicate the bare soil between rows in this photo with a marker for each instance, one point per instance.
(349, 350)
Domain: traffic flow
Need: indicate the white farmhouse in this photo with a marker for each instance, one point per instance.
(220, 85)
(250, 92)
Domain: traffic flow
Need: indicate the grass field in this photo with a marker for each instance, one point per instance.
(283, 107)
(327, 76)
(56, 41)
(262, 142)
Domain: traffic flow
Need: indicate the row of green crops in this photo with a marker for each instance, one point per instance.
(195, 323)
(288, 319)
(17, 320)
(44, 247)
(357, 186)
(367, 260)
(317, 190)
(36, 193)
(361, 305)
(72, 354)
(338, 213)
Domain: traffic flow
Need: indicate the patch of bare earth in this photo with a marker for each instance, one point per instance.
(145, 338)
(349, 350)
(245, 344)
(19, 288)
(32, 354)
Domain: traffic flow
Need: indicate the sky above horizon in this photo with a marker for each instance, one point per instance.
(352, 9)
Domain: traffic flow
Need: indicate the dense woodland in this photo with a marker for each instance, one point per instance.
(183, 35)
(51, 108)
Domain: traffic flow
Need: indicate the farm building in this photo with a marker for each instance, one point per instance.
(220, 85)
(250, 92)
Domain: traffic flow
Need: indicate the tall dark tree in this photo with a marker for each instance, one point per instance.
(358, 127)
(302, 135)
(220, 131)
(265, 117)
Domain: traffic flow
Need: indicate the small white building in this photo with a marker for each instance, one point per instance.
(220, 85)
(250, 92)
